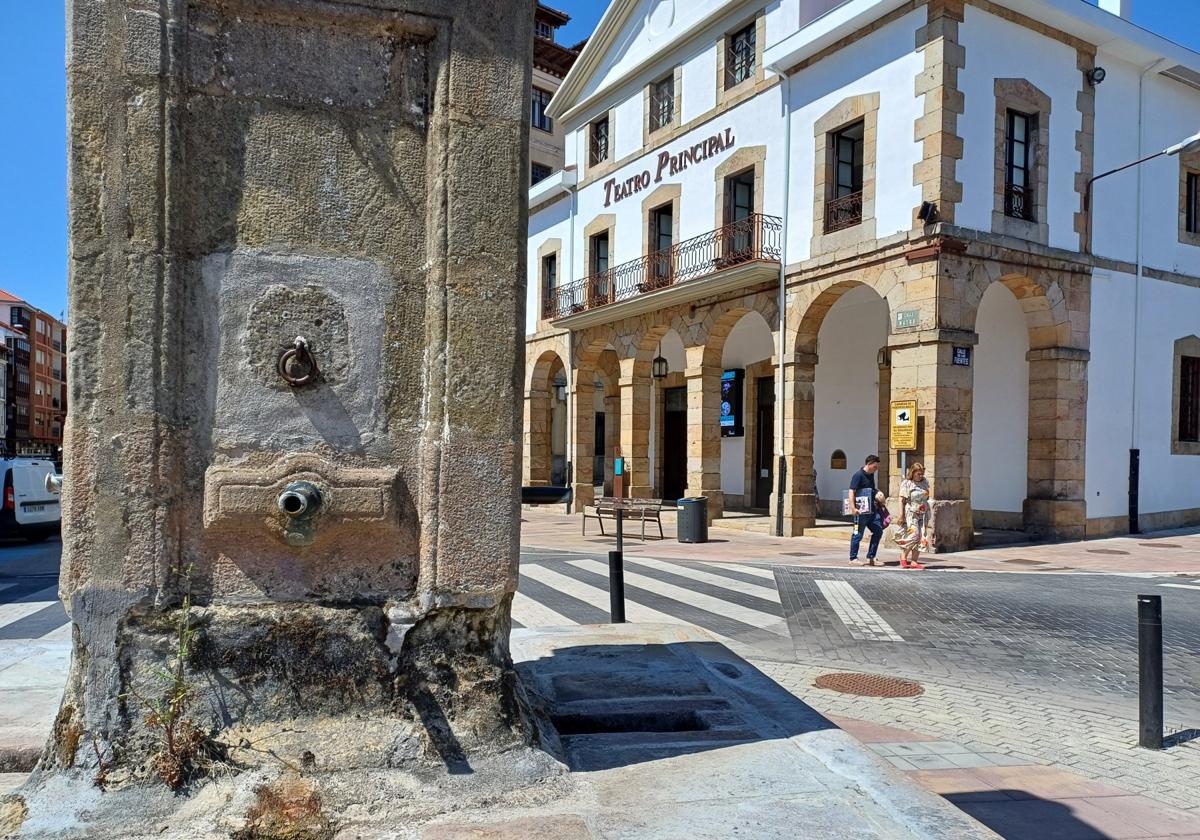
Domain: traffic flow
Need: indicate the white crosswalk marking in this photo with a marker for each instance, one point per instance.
(38, 600)
(718, 606)
(532, 614)
(862, 621)
(1180, 586)
(596, 596)
(58, 634)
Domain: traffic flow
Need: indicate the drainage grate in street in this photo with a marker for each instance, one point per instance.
(869, 685)
(797, 554)
(1021, 561)
(1106, 551)
(1160, 545)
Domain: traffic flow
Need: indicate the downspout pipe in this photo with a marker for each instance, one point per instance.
(1134, 451)
(785, 95)
(570, 361)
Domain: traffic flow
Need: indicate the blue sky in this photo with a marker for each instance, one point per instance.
(33, 193)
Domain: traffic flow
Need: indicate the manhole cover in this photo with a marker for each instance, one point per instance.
(869, 685)
(1021, 561)
(1160, 545)
(1106, 551)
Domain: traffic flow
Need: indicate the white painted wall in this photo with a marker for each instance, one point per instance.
(847, 386)
(628, 126)
(552, 221)
(699, 81)
(653, 29)
(885, 62)
(754, 122)
(1172, 112)
(1169, 311)
(998, 49)
(1000, 406)
(750, 341)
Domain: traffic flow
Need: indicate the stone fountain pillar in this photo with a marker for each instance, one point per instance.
(297, 285)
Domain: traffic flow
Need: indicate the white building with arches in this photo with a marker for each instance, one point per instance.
(812, 208)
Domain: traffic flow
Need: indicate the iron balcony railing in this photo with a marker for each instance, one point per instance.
(844, 212)
(1018, 202)
(754, 238)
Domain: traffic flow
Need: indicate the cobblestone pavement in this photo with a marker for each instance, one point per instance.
(1021, 724)
(1067, 635)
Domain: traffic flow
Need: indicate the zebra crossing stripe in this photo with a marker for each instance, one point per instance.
(532, 614)
(1180, 586)
(862, 621)
(634, 610)
(725, 576)
(12, 613)
(718, 606)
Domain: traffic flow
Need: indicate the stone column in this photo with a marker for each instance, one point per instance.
(1056, 508)
(704, 431)
(296, 374)
(612, 436)
(800, 497)
(537, 438)
(922, 370)
(635, 428)
(584, 440)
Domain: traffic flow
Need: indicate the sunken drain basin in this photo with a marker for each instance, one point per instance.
(605, 723)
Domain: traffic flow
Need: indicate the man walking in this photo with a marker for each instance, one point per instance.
(862, 500)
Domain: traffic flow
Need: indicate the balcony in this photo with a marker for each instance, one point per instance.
(1018, 202)
(740, 253)
(844, 212)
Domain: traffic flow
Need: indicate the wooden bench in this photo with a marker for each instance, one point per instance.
(641, 509)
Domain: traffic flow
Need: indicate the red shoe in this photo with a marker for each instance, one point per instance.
(914, 566)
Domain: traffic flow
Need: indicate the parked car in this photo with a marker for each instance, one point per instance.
(31, 506)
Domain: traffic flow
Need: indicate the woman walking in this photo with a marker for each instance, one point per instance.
(914, 516)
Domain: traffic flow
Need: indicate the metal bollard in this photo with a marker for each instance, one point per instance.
(1150, 672)
(616, 587)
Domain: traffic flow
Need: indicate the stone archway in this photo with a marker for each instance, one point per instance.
(1056, 310)
(545, 421)
(853, 418)
(589, 361)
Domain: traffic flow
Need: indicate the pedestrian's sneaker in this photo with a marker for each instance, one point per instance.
(854, 561)
(870, 561)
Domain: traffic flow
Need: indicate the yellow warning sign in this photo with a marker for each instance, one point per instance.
(904, 425)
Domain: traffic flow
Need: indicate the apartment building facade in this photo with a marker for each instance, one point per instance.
(551, 62)
(35, 397)
(777, 220)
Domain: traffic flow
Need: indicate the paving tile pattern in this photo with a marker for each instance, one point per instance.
(1076, 638)
(1017, 726)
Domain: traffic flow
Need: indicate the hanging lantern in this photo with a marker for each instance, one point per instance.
(659, 367)
(560, 388)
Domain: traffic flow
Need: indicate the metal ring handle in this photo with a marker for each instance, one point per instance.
(298, 351)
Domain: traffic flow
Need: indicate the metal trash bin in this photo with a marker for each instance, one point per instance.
(692, 520)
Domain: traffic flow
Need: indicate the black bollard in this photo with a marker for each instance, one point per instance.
(1150, 672)
(616, 587)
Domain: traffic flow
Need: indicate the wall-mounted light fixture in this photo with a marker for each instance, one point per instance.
(560, 388)
(659, 368)
(883, 358)
(928, 212)
(1096, 75)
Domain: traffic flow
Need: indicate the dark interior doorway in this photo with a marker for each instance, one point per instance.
(764, 444)
(598, 452)
(674, 443)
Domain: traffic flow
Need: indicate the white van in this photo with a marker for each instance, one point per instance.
(31, 507)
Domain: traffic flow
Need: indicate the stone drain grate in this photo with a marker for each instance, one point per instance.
(869, 685)
(1106, 551)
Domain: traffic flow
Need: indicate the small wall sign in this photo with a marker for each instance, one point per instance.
(962, 356)
(908, 318)
(904, 425)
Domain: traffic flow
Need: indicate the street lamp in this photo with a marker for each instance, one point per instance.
(1189, 145)
(560, 388)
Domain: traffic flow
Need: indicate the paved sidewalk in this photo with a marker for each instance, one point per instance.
(1163, 552)
(1018, 798)
(1011, 731)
